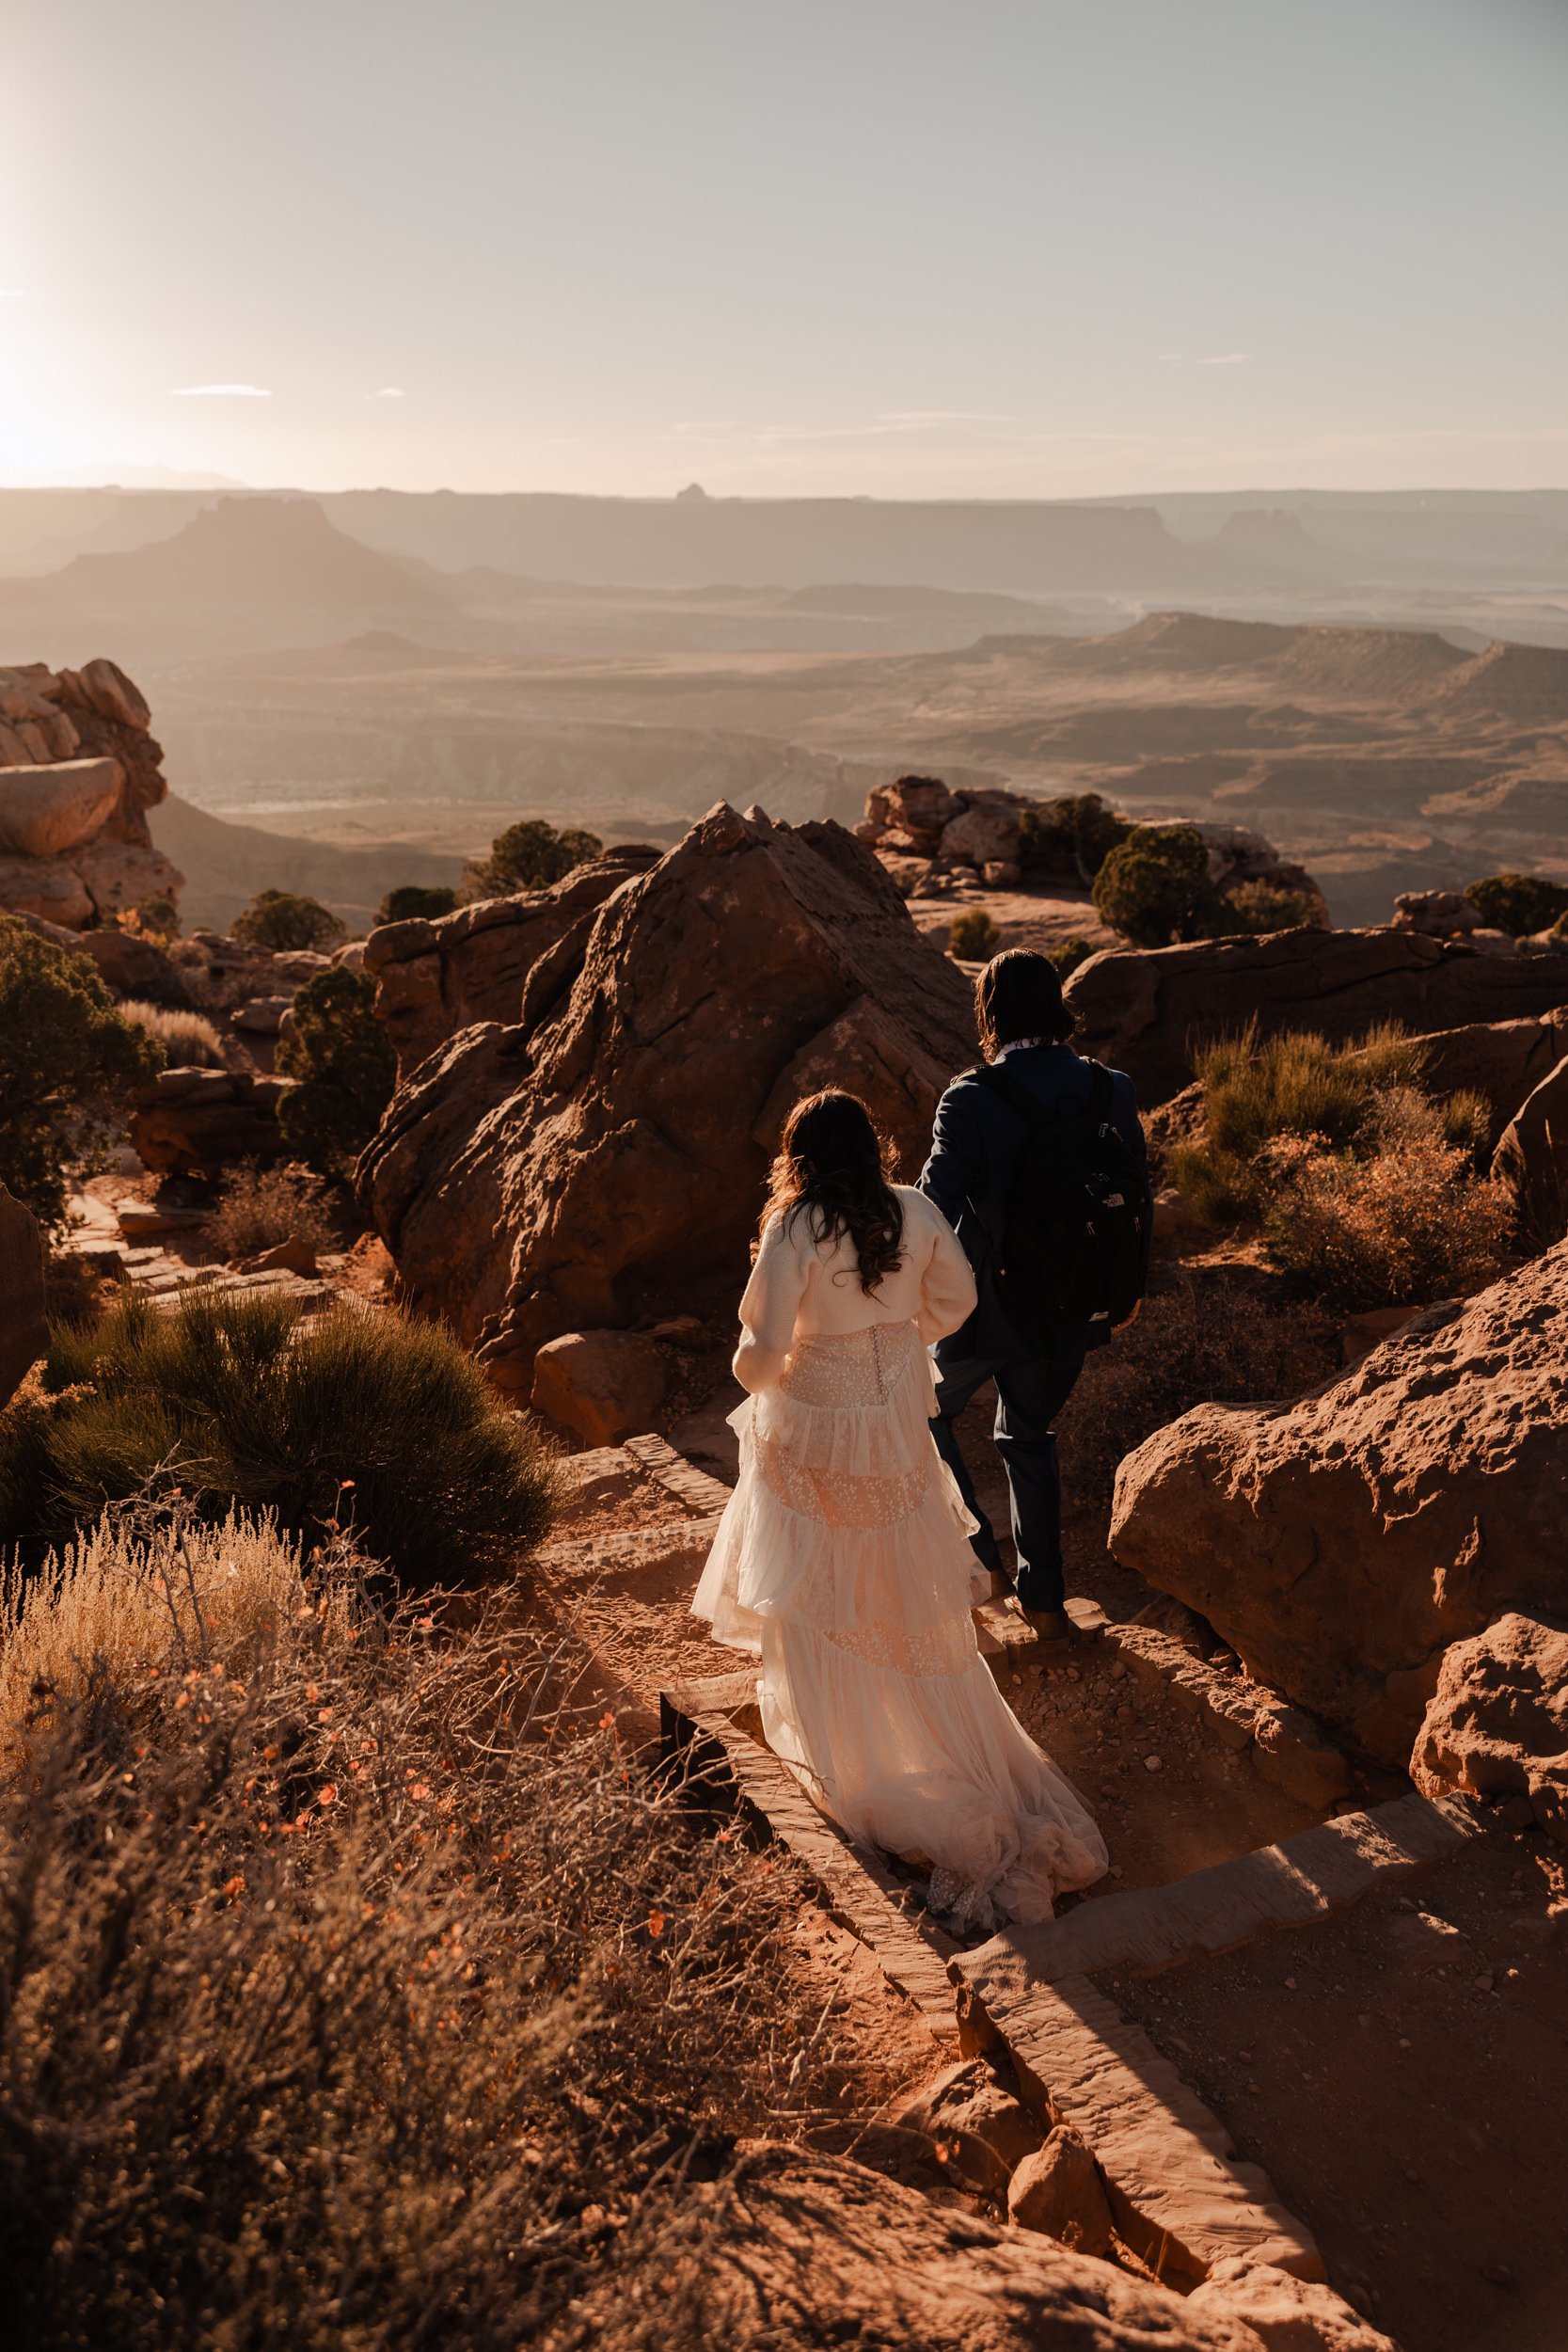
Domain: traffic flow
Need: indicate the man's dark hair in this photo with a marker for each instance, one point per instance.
(1020, 994)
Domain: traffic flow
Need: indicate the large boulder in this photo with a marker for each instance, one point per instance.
(24, 1331)
(612, 1145)
(1497, 1724)
(1147, 1011)
(1500, 1060)
(1342, 1543)
(1531, 1156)
(604, 1386)
(435, 978)
(44, 811)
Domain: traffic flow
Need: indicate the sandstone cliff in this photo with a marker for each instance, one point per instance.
(79, 771)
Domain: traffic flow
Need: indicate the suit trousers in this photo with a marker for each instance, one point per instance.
(1030, 1392)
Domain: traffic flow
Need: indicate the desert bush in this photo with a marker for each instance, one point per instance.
(283, 920)
(411, 901)
(1154, 887)
(1518, 903)
(1257, 1089)
(1070, 953)
(369, 1417)
(1261, 906)
(974, 936)
(346, 1067)
(529, 855)
(260, 1206)
(1218, 1342)
(1400, 1229)
(67, 1061)
(188, 1039)
(1075, 832)
(359, 1994)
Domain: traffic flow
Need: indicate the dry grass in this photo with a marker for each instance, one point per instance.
(259, 1207)
(188, 1039)
(1402, 1229)
(359, 1995)
(1195, 1343)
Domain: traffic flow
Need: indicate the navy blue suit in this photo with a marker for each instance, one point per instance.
(975, 1154)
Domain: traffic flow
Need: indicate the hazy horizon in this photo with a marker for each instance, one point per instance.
(1020, 251)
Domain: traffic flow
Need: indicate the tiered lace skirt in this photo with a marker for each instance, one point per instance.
(843, 1562)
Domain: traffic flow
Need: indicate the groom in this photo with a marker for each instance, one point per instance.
(993, 1126)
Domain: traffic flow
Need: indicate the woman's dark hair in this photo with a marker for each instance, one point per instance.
(1020, 994)
(833, 1166)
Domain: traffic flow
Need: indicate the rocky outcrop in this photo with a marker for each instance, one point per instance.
(196, 1122)
(1500, 1060)
(1147, 1011)
(922, 828)
(1440, 913)
(433, 978)
(791, 2247)
(1342, 1543)
(1238, 856)
(128, 965)
(79, 771)
(1497, 1724)
(24, 1331)
(603, 1385)
(1531, 1156)
(611, 1146)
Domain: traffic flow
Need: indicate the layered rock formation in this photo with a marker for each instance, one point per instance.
(79, 771)
(918, 827)
(1342, 1543)
(435, 978)
(196, 1122)
(1147, 1011)
(547, 1175)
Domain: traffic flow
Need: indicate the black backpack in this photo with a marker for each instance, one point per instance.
(1072, 1251)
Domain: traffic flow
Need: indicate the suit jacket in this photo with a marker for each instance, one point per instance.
(974, 1155)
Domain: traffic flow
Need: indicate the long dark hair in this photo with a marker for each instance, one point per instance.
(832, 1165)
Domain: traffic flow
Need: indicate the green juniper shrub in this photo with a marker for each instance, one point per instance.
(972, 936)
(1075, 832)
(1518, 903)
(529, 855)
(415, 901)
(1261, 906)
(69, 1059)
(284, 920)
(260, 1206)
(1070, 953)
(346, 1068)
(372, 1419)
(1154, 887)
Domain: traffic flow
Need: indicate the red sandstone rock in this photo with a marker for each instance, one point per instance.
(1342, 1543)
(1143, 1010)
(980, 2131)
(1497, 1723)
(23, 1331)
(603, 1385)
(1058, 2190)
(78, 774)
(196, 1123)
(547, 1177)
(433, 979)
(1287, 2315)
(1532, 1154)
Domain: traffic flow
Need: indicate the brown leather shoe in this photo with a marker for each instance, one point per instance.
(1047, 1624)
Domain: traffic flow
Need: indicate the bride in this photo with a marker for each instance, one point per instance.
(843, 1558)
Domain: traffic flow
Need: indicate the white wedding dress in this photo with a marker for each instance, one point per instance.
(843, 1562)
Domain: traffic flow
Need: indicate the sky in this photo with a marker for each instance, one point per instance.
(933, 248)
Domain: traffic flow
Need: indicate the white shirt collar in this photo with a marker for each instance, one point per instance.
(1021, 1045)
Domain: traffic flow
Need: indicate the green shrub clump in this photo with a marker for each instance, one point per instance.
(529, 855)
(974, 937)
(1073, 834)
(1070, 953)
(1408, 1225)
(286, 920)
(259, 1207)
(416, 901)
(67, 1061)
(1260, 906)
(345, 1066)
(1154, 887)
(373, 1419)
(1518, 903)
(1257, 1089)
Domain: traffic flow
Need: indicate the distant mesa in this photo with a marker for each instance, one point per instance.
(692, 492)
(1529, 683)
